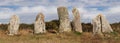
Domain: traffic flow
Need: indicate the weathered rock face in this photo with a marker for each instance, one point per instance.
(101, 25)
(76, 23)
(64, 19)
(105, 25)
(39, 25)
(13, 26)
(97, 25)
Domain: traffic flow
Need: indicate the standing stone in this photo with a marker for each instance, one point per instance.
(39, 25)
(105, 25)
(76, 23)
(101, 25)
(97, 25)
(13, 25)
(64, 19)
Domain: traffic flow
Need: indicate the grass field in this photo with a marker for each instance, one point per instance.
(26, 35)
(72, 37)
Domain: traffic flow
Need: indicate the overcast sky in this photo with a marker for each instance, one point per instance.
(28, 9)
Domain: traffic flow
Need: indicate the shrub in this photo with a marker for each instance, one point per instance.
(52, 25)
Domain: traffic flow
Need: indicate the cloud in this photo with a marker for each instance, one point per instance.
(30, 8)
(5, 13)
(35, 9)
(114, 9)
(50, 12)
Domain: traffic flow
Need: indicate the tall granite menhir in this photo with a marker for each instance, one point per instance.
(13, 26)
(97, 25)
(39, 25)
(63, 19)
(76, 23)
(101, 25)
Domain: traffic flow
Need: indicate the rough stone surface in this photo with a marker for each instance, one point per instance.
(39, 25)
(96, 25)
(13, 26)
(105, 25)
(76, 23)
(101, 25)
(64, 19)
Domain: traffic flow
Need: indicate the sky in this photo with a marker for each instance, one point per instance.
(27, 10)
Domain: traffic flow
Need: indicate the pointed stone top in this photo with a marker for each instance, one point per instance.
(75, 10)
(61, 7)
(100, 15)
(14, 16)
(40, 15)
